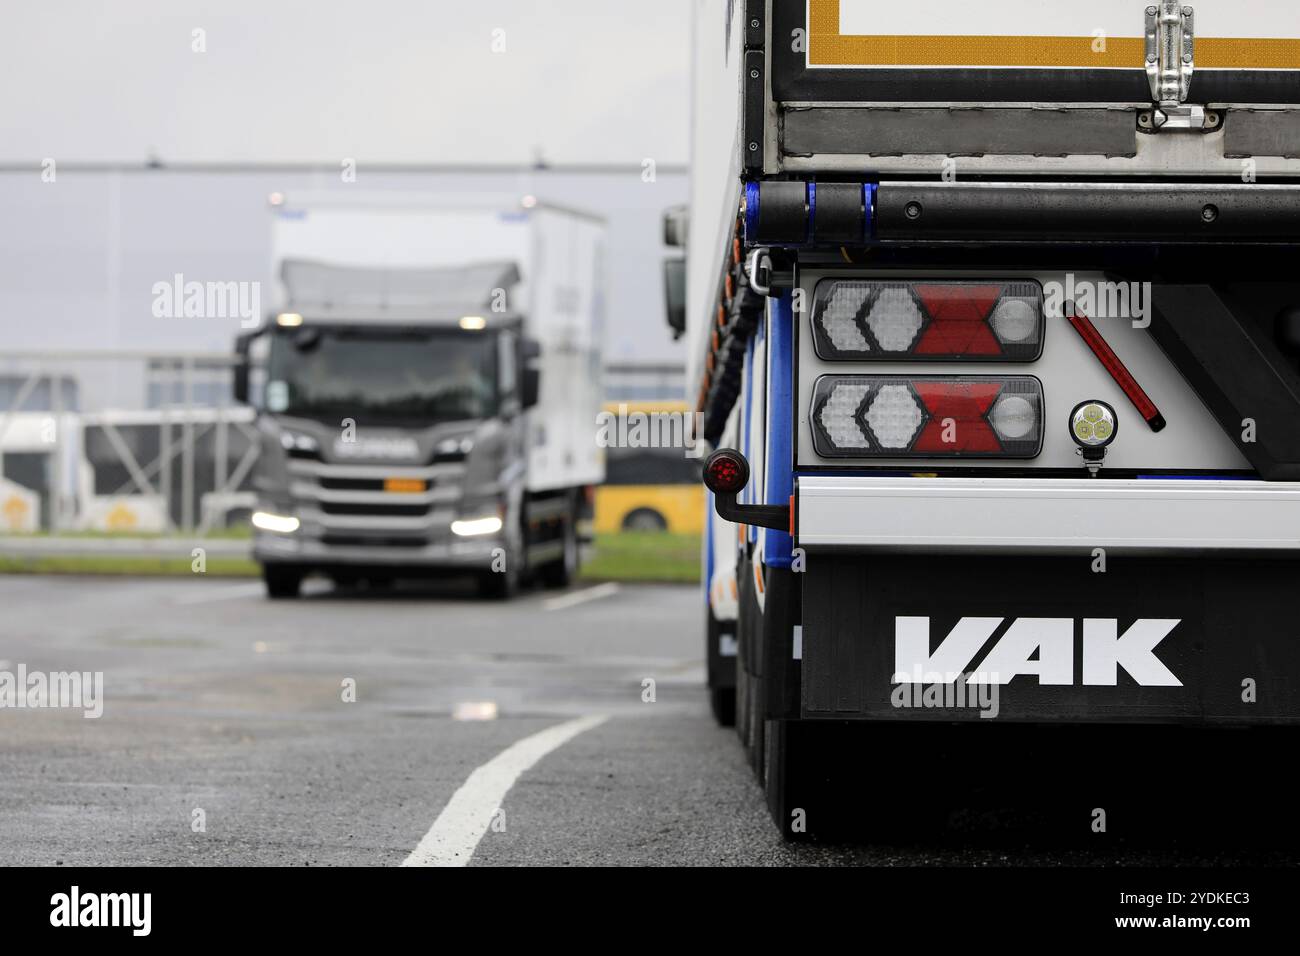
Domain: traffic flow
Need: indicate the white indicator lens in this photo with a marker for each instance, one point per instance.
(839, 416)
(894, 416)
(894, 319)
(838, 319)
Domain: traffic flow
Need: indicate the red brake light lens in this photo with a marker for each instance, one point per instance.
(927, 416)
(928, 320)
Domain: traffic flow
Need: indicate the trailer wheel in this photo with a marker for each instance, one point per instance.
(787, 778)
(722, 701)
(281, 582)
(749, 684)
(722, 692)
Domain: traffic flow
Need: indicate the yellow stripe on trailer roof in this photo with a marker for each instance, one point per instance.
(827, 46)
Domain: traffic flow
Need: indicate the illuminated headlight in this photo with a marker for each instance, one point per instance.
(1093, 424)
(927, 416)
(280, 524)
(928, 320)
(471, 527)
(291, 441)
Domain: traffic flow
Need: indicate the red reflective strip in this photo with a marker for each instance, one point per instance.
(957, 422)
(959, 319)
(1123, 378)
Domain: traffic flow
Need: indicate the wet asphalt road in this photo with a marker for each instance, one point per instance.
(217, 700)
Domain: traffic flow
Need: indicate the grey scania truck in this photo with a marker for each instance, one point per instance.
(426, 391)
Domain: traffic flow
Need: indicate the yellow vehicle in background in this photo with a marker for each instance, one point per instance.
(649, 489)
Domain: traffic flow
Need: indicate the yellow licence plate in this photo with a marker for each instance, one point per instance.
(404, 485)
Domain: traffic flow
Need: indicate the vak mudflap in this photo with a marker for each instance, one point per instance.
(1196, 640)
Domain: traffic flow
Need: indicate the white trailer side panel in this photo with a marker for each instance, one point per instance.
(566, 314)
(715, 170)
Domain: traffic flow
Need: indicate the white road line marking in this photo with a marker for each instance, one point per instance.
(456, 833)
(228, 593)
(580, 597)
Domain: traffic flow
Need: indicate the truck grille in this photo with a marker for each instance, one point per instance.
(368, 541)
(349, 504)
(352, 484)
(378, 509)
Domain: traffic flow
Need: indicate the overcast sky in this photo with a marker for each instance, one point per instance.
(395, 81)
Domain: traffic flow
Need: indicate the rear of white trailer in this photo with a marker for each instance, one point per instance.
(994, 309)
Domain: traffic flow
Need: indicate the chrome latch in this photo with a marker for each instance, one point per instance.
(1170, 36)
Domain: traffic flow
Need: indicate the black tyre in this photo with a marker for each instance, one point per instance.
(722, 701)
(644, 519)
(500, 585)
(786, 778)
(721, 672)
(749, 681)
(561, 573)
(281, 583)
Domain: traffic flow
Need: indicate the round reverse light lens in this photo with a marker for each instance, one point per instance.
(1093, 424)
(1013, 417)
(1014, 320)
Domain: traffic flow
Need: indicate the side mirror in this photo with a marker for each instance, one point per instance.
(675, 294)
(677, 222)
(239, 387)
(530, 379)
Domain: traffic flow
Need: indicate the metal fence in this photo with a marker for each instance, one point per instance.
(173, 454)
(176, 459)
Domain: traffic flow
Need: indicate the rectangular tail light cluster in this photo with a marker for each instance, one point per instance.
(928, 320)
(927, 416)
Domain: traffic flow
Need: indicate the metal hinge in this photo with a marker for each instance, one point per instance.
(1170, 35)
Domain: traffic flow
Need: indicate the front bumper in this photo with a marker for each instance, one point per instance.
(1049, 515)
(469, 554)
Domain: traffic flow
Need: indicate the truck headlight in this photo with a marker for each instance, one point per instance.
(294, 441)
(280, 524)
(472, 527)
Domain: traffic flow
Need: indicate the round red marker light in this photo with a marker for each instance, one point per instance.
(726, 472)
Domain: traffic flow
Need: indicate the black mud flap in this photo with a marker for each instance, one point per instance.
(1150, 640)
(781, 649)
(1246, 382)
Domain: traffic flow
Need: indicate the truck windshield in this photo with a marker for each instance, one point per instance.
(376, 376)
